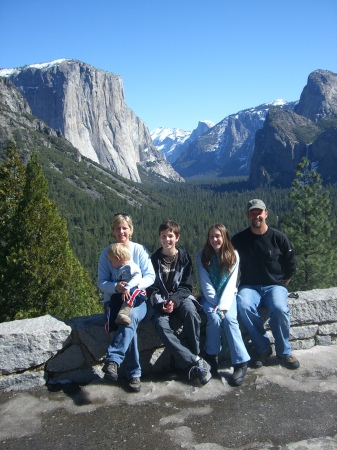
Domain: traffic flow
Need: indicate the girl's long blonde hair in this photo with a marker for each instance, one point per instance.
(227, 257)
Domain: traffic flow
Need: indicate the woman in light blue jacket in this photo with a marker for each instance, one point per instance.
(124, 343)
(218, 266)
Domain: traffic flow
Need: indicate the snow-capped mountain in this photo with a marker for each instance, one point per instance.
(226, 149)
(172, 141)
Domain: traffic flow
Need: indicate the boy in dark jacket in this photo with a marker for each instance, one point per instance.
(171, 295)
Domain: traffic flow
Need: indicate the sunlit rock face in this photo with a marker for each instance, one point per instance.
(87, 106)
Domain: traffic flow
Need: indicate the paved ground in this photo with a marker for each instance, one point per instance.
(274, 409)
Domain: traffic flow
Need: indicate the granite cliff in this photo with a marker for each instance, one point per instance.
(86, 105)
(310, 130)
(226, 149)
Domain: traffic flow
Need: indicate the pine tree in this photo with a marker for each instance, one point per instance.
(309, 227)
(12, 179)
(43, 275)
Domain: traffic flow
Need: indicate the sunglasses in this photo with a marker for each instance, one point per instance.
(121, 214)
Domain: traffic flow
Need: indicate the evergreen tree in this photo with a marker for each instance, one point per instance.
(12, 178)
(309, 227)
(43, 275)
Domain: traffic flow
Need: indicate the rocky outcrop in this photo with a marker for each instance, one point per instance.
(16, 115)
(46, 350)
(279, 148)
(310, 130)
(319, 97)
(87, 106)
(323, 153)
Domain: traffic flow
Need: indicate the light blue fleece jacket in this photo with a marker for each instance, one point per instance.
(130, 273)
(139, 255)
(208, 290)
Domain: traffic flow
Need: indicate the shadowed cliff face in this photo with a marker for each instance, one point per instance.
(87, 106)
(309, 130)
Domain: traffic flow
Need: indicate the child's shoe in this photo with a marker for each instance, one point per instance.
(123, 315)
(122, 319)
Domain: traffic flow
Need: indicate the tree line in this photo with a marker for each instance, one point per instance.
(52, 231)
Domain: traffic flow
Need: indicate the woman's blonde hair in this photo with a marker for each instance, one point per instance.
(227, 257)
(122, 217)
(119, 250)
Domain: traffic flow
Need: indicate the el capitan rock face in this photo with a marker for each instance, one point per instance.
(87, 106)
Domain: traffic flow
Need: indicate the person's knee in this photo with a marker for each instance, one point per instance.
(213, 319)
(230, 320)
(248, 298)
(243, 302)
(278, 306)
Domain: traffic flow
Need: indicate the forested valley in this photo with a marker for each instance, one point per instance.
(87, 197)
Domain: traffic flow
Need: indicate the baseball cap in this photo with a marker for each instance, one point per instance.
(256, 203)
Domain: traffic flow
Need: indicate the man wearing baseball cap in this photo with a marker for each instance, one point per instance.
(267, 263)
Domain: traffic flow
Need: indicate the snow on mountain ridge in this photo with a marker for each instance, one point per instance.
(9, 72)
(172, 141)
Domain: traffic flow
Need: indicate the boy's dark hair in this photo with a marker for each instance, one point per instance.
(170, 225)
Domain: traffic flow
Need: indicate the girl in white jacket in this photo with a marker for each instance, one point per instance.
(218, 266)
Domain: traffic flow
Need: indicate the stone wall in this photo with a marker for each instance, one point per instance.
(43, 350)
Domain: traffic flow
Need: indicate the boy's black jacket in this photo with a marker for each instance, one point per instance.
(182, 281)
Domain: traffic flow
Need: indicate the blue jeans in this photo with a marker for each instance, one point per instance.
(274, 298)
(124, 344)
(230, 324)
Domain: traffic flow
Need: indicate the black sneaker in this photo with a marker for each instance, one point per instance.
(290, 362)
(260, 359)
(202, 370)
(239, 374)
(213, 361)
(134, 384)
(110, 369)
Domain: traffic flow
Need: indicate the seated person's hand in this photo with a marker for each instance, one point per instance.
(169, 306)
(120, 286)
(126, 295)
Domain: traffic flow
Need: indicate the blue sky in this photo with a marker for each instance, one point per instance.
(181, 61)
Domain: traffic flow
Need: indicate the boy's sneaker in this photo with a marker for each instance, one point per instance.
(213, 361)
(260, 359)
(134, 384)
(290, 362)
(110, 369)
(201, 369)
(122, 319)
(239, 374)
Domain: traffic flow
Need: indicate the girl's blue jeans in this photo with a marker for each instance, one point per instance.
(231, 327)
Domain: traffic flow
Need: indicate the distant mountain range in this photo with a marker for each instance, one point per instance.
(86, 106)
(224, 149)
(265, 142)
(171, 142)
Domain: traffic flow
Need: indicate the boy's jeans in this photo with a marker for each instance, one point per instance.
(124, 344)
(230, 324)
(274, 298)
